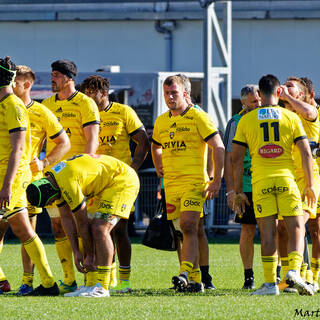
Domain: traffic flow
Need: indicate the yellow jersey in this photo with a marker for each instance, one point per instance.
(270, 133)
(86, 175)
(43, 123)
(13, 118)
(312, 129)
(118, 122)
(74, 113)
(184, 149)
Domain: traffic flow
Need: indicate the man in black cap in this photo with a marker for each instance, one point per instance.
(79, 116)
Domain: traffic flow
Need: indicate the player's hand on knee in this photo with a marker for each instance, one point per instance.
(78, 261)
(88, 263)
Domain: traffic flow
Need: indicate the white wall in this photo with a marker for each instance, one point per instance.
(281, 47)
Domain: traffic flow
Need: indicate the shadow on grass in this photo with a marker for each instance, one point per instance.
(170, 292)
(157, 293)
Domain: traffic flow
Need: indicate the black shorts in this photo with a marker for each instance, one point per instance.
(248, 217)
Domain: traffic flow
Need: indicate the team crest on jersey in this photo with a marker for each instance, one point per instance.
(270, 151)
(171, 134)
(269, 113)
(259, 208)
(58, 167)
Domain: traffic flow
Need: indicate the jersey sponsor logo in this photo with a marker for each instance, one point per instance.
(270, 151)
(269, 113)
(259, 208)
(58, 167)
(105, 205)
(69, 115)
(175, 144)
(59, 110)
(171, 135)
(191, 202)
(170, 208)
(106, 139)
(182, 129)
(110, 123)
(173, 125)
(275, 189)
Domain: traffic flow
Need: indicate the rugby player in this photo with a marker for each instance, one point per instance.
(269, 133)
(179, 152)
(99, 188)
(15, 174)
(314, 224)
(250, 100)
(119, 124)
(293, 96)
(79, 116)
(206, 278)
(43, 124)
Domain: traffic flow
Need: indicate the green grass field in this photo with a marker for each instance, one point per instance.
(151, 274)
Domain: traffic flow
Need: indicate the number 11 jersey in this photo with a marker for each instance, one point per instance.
(270, 133)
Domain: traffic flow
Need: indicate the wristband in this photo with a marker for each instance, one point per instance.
(230, 192)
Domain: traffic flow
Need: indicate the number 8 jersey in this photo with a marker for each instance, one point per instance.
(270, 133)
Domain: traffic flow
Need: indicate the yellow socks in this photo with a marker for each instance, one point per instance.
(104, 276)
(124, 273)
(195, 275)
(284, 265)
(295, 261)
(65, 255)
(80, 243)
(269, 264)
(186, 268)
(303, 270)
(113, 277)
(27, 278)
(91, 278)
(2, 275)
(37, 254)
(315, 268)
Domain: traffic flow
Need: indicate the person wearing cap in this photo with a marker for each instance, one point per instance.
(79, 116)
(96, 188)
(15, 174)
(44, 125)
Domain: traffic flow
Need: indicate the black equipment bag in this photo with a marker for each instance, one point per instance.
(160, 233)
